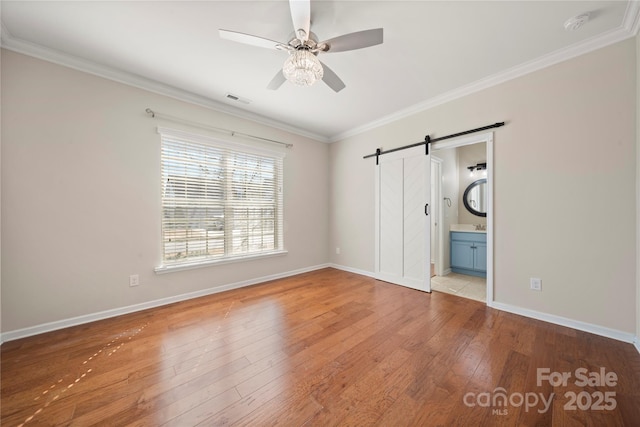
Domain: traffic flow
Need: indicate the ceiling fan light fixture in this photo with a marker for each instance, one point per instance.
(302, 68)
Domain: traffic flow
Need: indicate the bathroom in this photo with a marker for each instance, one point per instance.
(458, 230)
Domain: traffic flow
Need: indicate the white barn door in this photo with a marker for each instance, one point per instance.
(403, 226)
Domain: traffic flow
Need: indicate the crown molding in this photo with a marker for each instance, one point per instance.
(628, 28)
(631, 20)
(4, 33)
(51, 55)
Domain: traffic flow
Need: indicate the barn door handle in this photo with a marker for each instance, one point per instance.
(426, 209)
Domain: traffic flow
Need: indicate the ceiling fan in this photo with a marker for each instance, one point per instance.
(302, 67)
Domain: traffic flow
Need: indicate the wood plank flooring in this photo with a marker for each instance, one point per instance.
(325, 348)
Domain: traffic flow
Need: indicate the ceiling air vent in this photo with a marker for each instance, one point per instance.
(237, 98)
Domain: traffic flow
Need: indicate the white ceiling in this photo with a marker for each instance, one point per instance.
(433, 50)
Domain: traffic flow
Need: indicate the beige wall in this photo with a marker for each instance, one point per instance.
(568, 147)
(0, 197)
(638, 190)
(81, 196)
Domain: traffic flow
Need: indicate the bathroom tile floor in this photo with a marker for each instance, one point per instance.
(461, 285)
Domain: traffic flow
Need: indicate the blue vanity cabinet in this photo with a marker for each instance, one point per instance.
(469, 253)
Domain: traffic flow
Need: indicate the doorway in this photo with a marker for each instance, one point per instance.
(451, 213)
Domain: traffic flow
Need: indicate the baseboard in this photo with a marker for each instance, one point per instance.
(80, 320)
(570, 323)
(558, 320)
(353, 270)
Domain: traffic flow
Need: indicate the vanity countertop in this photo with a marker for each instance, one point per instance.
(466, 228)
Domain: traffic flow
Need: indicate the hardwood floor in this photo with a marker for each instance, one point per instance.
(319, 349)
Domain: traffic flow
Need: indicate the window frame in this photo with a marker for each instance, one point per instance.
(234, 148)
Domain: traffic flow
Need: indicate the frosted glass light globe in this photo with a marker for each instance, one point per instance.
(302, 68)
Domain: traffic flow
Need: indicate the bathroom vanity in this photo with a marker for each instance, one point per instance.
(468, 250)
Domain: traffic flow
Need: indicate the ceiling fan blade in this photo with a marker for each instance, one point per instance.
(301, 17)
(277, 81)
(249, 39)
(331, 79)
(356, 40)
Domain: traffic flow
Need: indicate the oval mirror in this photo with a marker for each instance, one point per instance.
(475, 197)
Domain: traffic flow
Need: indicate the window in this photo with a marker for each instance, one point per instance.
(220, 201)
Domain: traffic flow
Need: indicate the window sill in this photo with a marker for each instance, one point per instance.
(209, 263)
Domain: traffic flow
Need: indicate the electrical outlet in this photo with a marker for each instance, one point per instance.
(134, 280)
(535, 284)
(337, 251)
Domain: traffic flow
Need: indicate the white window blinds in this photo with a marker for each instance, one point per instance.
(219, 201)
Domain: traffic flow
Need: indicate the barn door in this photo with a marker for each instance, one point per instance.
(403, 226)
